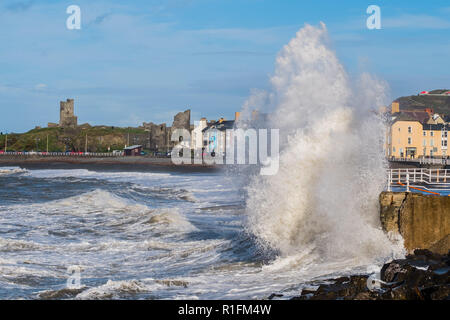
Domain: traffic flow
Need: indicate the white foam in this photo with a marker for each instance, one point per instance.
(324, 198)
(17, 245)
(113, 289)
(88, 174)
(6, 171)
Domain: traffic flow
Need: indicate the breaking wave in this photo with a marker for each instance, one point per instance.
(6, 171)
(323, 203)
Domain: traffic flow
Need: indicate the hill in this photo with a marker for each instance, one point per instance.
(99, 139)
(440, 104)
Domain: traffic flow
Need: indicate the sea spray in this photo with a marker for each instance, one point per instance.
(324, 199)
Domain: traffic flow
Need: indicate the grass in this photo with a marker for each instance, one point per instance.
(100, 138)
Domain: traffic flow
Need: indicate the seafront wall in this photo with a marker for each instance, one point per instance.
(422, 220)
(139, 163)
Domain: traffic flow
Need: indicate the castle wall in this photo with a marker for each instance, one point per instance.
(67, 117)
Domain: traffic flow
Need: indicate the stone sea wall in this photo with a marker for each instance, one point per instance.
(422, 220)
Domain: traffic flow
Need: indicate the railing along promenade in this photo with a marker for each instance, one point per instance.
(431, 181)
(436, 161)
(63, 154)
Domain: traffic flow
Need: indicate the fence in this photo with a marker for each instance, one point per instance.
(437, 161)
(64, 154)
(434, 181)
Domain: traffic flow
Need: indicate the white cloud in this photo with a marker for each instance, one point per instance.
(40, 86)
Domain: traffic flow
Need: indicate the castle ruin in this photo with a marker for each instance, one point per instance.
(67, 117)
(160, 135)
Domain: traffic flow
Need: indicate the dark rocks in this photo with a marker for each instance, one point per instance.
(422, 276)
(274, 295)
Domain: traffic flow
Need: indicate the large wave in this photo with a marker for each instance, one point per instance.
(324, 199)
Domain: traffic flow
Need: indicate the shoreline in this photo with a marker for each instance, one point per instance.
(105, 164)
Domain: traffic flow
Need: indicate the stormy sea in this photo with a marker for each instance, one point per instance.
(231, 234)
(136, 235)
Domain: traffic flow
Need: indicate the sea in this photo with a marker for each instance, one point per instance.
(99, 234)
(128, 235)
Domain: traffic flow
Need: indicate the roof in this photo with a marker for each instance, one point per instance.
(435, 127)
(132, 147)
(421, 116)
(220, 125)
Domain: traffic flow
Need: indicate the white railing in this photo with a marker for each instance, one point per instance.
(420, 179)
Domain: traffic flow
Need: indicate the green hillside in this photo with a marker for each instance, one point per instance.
(99, 138)
(440, 104)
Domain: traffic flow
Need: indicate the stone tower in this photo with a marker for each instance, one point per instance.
(182, 120)
(67, 117)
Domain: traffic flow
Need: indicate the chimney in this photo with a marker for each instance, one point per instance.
(395, 107)
(236, 116)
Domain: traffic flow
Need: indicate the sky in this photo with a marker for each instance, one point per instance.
(146, 60)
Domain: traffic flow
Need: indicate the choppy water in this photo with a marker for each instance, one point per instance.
(137, 235)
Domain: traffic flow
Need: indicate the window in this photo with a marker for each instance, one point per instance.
(409, 129)
(432, 133)
(393, 149)
(409, 140)
(424, 133)
(424, 142)
(444, 134)
(444, 143)
(431, 142)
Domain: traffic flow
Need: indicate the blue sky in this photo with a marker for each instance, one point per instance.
(145, 60)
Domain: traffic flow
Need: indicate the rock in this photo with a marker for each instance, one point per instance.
(436, 292)
(365, 296)
(442, 246)
(423, 276)
(390, 272)
(65, 293)
(422, 220)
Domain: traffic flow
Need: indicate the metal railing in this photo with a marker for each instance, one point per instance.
(422, 160)
(425, 180)
(434, 161)
(63, 154)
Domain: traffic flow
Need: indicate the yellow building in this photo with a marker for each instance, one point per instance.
(435, 140)
(410, 138)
